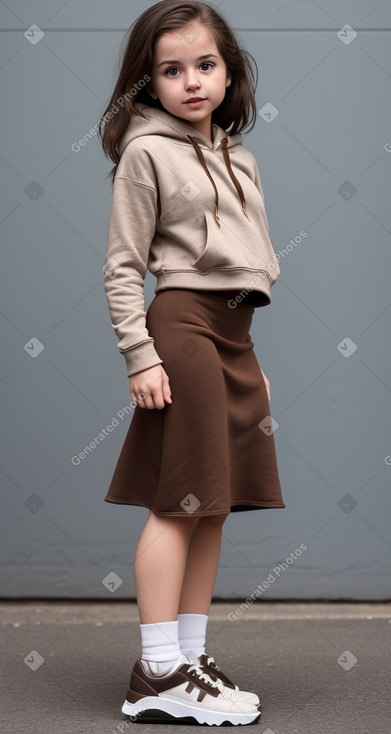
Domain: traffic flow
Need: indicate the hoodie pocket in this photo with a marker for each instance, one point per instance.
(226, 249)
(215, 253)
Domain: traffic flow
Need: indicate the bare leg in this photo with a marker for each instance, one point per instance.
(201, 567)
(159, 566)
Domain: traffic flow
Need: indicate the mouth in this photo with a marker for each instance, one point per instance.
(194, 100)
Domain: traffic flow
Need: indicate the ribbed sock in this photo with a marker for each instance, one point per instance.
(192, 632)
(160, 645)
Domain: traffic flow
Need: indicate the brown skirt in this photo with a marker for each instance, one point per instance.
(205, 453)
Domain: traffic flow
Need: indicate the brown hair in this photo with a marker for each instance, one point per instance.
(238, 107)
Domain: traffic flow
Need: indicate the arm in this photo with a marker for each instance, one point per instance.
(257, 181)
(131, 230)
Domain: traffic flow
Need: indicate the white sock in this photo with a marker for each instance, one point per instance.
(160, 645)
(192, 632)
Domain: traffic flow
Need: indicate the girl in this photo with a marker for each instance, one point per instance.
(187, 205)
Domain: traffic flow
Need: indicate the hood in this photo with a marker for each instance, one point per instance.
(159, 122)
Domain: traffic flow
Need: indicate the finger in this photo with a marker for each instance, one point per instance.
(139, 399)
(157, 392)
(157, 398)
(148, 398)
(166, 390)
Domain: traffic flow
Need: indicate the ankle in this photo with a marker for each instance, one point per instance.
(160, 645)
(192, 632)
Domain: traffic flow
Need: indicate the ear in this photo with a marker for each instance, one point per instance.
(229, 81)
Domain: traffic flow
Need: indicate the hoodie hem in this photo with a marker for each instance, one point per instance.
(258, 280)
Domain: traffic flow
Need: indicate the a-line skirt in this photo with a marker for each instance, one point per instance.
(211, 451)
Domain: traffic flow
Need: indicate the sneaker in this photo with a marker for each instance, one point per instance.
(208, 664)
(187, 693)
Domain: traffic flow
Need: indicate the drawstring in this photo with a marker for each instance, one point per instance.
(203, 164)
(223, 146)
(239, 189)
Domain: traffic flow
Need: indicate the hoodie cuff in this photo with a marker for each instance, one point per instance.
(141, 358)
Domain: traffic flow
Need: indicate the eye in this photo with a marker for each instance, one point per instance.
(173, 68)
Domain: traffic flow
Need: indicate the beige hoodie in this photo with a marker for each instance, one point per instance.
(189, 211)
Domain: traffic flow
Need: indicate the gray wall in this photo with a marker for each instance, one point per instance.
(325, 166)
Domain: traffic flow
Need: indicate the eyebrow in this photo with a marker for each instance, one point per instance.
(175, 61)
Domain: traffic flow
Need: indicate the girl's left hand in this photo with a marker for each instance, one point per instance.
(267, 383)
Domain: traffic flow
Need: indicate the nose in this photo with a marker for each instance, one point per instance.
(192, 81)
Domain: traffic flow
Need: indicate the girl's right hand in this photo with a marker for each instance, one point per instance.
(150, 388)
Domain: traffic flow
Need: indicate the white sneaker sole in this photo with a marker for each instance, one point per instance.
(155, 707)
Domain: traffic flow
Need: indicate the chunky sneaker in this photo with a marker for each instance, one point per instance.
(209, 665)
(187, 693)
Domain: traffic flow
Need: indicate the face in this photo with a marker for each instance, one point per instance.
(187, 64)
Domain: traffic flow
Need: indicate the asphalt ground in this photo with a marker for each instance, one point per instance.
(317, 668)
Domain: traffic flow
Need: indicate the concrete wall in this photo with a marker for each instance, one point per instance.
(324, 342)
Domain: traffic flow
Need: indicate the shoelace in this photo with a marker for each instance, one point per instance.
(200, 673)
(211, 661)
